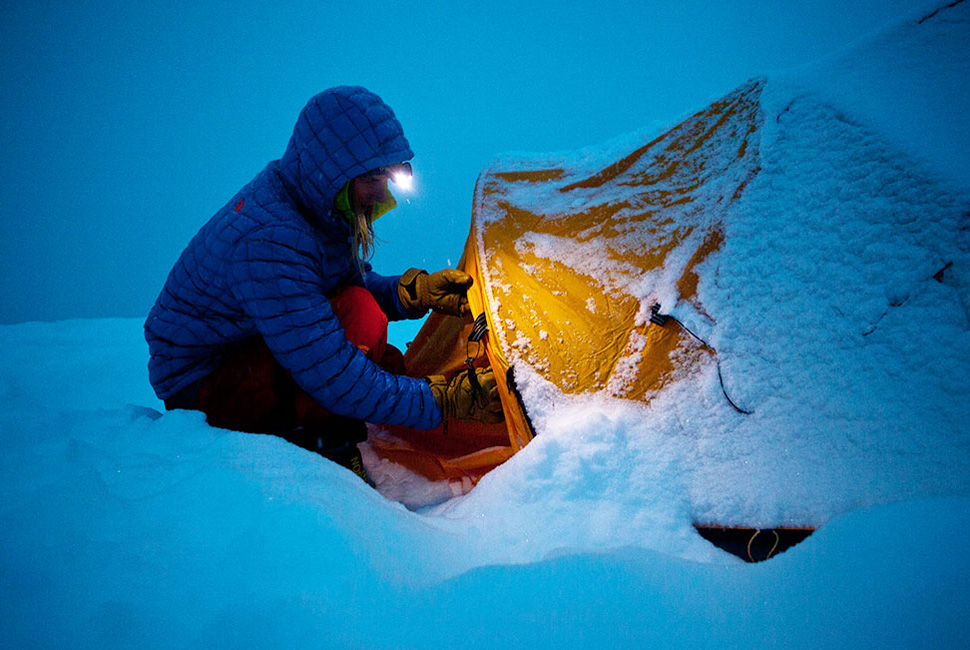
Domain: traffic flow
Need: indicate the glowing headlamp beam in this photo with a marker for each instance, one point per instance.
(403, 180)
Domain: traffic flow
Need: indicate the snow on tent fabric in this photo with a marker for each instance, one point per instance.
(558, 256)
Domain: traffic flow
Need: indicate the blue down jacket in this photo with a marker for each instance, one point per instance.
(266, 262)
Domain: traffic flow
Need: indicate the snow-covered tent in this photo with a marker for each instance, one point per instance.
(570, 268)
(763, 279)
(558, 255)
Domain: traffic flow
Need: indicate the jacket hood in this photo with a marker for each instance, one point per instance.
(341, 133)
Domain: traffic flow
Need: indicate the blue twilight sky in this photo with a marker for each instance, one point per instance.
(127, 124)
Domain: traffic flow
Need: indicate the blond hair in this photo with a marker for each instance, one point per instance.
(364, 239)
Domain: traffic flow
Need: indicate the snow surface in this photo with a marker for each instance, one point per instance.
(123, 527)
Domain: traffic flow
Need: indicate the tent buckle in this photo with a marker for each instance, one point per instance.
(479, 330)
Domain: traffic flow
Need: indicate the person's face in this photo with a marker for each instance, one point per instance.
(368, 189)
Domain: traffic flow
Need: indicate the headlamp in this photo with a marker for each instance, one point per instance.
(399, 173)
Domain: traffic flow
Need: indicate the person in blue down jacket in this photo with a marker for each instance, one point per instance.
(272, 322)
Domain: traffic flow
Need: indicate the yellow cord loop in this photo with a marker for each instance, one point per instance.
(773, 548)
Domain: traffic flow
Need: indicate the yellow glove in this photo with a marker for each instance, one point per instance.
(443, 291)
(471, 394)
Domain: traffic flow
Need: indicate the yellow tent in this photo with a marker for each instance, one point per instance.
(566, 262)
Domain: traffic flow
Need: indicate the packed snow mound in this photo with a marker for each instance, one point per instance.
(907, 84)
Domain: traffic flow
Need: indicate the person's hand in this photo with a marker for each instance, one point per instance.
(471, 394)
(443, 291)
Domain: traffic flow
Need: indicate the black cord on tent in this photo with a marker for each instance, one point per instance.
(724, 390)
(949, 6)
(479, 330)
(661, 319)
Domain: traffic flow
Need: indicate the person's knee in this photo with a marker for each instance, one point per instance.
(364, 323)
